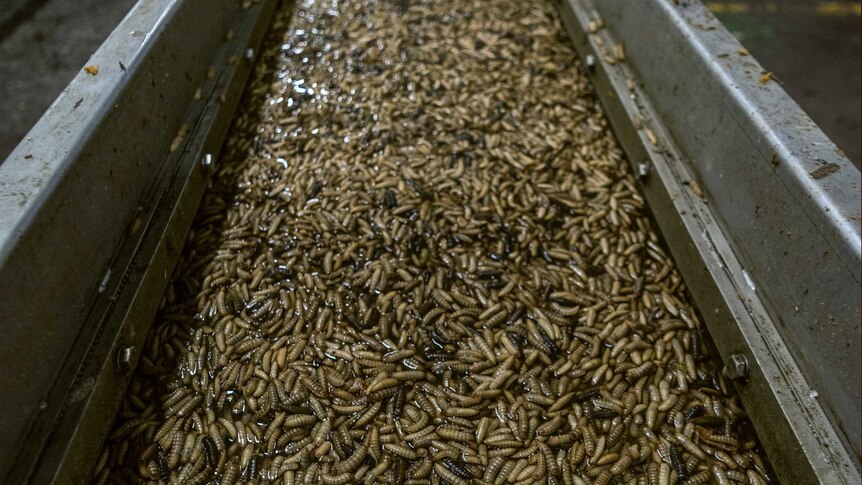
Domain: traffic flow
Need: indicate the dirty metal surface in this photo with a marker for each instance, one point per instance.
(94, 206)
(760, 209)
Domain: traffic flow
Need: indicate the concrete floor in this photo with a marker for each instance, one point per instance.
(812, 46)
(43, 44)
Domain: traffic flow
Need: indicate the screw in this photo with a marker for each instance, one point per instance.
(124, 359)
(736, 367)
(590, 61)
(643, 170)
(207, 160)
(103, 286)
(249, 54)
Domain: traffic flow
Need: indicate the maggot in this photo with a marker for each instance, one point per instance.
(413, 266)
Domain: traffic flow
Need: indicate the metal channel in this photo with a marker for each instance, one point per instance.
(95, 204)
(758, 207)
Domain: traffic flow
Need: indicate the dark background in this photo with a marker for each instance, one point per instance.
(812, 46)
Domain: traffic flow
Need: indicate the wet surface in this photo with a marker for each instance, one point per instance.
(423, 259)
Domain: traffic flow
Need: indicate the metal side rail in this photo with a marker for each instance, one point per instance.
(760, 211)
(95, 205)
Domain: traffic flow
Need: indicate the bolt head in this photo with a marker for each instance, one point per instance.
(643, 170)
(736, 367)
(590, 61)
(125, 358)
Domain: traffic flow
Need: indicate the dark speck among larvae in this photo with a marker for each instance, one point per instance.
(423, 259)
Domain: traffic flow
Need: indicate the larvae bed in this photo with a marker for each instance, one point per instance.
(423, 259)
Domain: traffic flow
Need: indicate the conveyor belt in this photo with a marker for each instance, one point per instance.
(561, 283)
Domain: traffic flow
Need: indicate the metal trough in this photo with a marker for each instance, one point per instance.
(759, 208)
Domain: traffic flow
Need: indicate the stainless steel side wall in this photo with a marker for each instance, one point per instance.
(77, 198)
(788, 198)
(760, 210)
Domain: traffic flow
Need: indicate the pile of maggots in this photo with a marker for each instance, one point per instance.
(423, 259)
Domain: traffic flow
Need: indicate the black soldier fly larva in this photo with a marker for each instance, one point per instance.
(423, 259)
